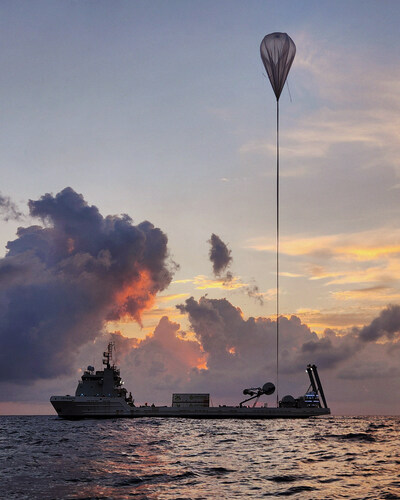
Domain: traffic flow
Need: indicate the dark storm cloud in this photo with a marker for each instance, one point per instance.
(220, 256)
(387, 324)
(8, 209)
(61, 281)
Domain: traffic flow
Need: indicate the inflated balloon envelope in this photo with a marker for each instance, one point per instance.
(277, 54)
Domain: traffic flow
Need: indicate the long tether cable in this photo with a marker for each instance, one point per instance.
(277, 252)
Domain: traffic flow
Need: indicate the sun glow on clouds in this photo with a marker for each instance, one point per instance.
(164, 305)
(202, 282)
(362, 246)
(359, 268)
(157, 307)
(149, 317)
(374, 294)
(338, 319)
(136, 291)
(365, 257)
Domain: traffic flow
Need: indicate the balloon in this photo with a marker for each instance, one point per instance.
(277, 53)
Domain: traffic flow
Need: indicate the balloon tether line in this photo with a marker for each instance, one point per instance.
(277, 252)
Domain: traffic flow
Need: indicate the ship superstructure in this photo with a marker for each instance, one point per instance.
(105, 383)
(99, 393)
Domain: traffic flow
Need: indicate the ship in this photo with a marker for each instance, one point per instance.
(100, 394)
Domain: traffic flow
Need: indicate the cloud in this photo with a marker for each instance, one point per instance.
(202, 282)
(371, 294)
(220, 256)
(8, 209)
(234, 283)
(365, 265)
(61, 281)
(221, 327)
(387, 324)
(162, 362)
(362, 246)
(345, 317)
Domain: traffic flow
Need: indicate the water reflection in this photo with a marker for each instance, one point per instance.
(334, 458)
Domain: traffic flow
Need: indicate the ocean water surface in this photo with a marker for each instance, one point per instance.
(322, 458)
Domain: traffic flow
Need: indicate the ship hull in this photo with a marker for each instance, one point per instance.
(71, 407)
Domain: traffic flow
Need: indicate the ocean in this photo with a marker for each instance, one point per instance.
(44, 457)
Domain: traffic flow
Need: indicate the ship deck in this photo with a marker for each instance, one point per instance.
(82, 407)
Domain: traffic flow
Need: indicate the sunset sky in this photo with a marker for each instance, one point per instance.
(161, 110)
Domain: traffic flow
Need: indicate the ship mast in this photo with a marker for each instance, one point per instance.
(108, 354)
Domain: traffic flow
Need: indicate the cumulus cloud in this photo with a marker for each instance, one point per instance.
(8, 209)
(62, 280)
(161, 363)
(234, 343)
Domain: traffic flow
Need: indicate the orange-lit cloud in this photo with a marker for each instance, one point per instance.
(361, 267)
(340, 259)
(291, 275)
(171, 297)
(164, 358)
(149, 317)
(337, 318)
(362, 246)
(70, 245)
(228, 283)
(202, 282)
(375, 294)
(137, 292)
